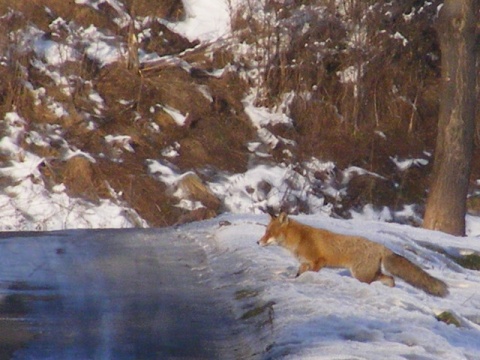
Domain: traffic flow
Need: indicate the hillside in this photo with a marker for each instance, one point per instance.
(163, 112)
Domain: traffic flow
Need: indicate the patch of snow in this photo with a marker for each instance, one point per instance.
(96, 98)
(73, 152)
(124, 141)
(54, 53)
(406, 164)
(29, 206)
(171, 151)
(26, 203)
(400, 37)
(60, 81)
(206, 20)
(189, 204)
(263, 186)
(352, 171)
(350, 75)
(381, 134)
(262, 116)
(101, 48)
(368, 212)
(205, 91)
(57, 109)
(176, 115)
(163, 172)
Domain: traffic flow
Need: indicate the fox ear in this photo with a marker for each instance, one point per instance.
(269, 210)
(283, 218)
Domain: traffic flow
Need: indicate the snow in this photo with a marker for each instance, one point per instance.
(164, 172)
(400, 37)
(206, 20)
(324, 315)
(53, 52)
(262, 116)
(171, 151)
(123, 141)
(27, 204)
(330, 315)
(266, 186)
(406, 164)
(176, 115)
(99, 47)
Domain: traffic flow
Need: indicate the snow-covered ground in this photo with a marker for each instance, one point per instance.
(330, 315)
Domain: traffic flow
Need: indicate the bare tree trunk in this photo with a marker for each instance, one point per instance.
(446, 203)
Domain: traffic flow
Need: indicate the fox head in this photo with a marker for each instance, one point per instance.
(274, 233)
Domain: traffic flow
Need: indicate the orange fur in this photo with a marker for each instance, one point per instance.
(318, 248)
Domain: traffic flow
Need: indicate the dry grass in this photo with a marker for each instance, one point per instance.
(80, 179)
(194, 189)
(131, 104)
(393, 90)
(143, 193)
(166, 9)
(390, 78)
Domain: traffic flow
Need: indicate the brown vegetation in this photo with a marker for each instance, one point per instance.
(365, 78)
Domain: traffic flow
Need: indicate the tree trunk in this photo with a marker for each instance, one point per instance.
(446, 203)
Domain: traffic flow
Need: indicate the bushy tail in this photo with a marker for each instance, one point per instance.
(414, 275)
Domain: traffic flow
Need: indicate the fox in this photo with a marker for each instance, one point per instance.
(318, 248)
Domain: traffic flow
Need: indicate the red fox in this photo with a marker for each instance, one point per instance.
(318, 248)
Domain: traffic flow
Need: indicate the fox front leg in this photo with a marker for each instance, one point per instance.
(305, 266)
(309, 266)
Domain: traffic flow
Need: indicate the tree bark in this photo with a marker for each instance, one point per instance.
(446, 202)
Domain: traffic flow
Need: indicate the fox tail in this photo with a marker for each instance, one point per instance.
(414, 275)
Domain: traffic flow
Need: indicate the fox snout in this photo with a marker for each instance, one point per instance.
(275, 232)
(266, 240)
(261, 242)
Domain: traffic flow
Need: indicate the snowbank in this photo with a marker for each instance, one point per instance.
(330, 315)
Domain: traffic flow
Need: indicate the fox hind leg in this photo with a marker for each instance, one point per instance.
(371, 276)
(385, 279)
(370, 273)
